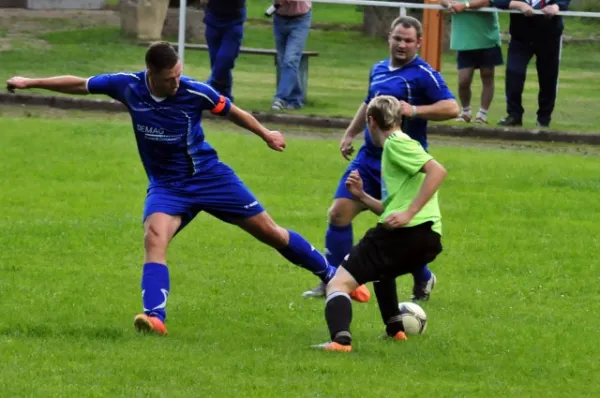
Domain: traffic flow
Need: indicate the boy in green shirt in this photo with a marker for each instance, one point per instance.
(476, 39)
(407, 235)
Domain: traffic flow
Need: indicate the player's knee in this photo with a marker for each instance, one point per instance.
(339, 216)
(154, 238)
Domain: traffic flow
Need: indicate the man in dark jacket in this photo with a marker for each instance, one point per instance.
(539, 35)
(224, 32)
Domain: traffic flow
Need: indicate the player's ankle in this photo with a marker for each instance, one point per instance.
(343, 338)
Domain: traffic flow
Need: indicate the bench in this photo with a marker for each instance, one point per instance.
(303, 72)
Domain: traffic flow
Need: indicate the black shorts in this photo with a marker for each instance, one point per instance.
(477, 59)
(388, 253)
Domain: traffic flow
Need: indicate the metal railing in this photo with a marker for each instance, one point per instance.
(401, 6)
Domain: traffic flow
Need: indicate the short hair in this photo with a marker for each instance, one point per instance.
(407, 23)
(385, 110)
(161, 55)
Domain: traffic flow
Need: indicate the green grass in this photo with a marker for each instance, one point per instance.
(513, 314)
(338, 77)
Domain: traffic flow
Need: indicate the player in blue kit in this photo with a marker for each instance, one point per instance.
(424, 96)
(184, 171)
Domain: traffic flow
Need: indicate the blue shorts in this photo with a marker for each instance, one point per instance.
(369, 168)
(219, 192)
(477, 59)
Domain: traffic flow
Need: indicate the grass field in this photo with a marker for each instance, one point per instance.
(514, 313)
(338, 77)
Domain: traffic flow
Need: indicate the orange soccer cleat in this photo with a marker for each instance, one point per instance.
(333, 346)
(149, 324)
(361, 294)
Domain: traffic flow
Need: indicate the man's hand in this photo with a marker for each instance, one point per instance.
(275, 141)
(17, 82)
(354, 184)
(398, 219)
(346, 147)
(458, 7)
(551, 10)
(526, 9)
(406, 109)
(446, 3)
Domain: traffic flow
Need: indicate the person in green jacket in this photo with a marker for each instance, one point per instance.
(476, 39)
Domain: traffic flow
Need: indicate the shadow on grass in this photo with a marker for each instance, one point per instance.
(22, 331)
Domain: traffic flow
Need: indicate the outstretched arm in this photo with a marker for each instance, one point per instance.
(442, 110)
(61, 84)
(274, 139)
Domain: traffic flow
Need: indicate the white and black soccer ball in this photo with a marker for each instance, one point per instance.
(413, 318)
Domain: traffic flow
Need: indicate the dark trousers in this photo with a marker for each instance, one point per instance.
(547, 56)
(224, 41)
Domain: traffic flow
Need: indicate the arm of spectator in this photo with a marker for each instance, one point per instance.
(513, 5)
(457, 6)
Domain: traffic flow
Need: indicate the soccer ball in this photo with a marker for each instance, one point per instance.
(413, 318)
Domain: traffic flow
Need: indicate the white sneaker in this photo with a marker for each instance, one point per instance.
(317, 292)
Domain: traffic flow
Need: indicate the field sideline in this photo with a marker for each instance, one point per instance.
(513, 315)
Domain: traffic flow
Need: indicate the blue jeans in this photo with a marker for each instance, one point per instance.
(224, 38)
(290, 38)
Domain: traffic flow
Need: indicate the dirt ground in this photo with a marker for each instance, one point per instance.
(309, 133)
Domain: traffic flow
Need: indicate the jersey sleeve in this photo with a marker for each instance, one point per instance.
(111, 84)
(369, 97)
(434, 86)
(407, 154)
(209, 99)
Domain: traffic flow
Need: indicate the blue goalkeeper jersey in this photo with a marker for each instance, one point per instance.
(170, 139)
(416, 83)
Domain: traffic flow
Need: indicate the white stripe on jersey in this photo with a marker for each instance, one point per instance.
(126, 74)
(409, 92)
(202, 95)
(430, 74)
(374, 82)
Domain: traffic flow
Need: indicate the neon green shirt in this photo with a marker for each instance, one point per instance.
(474, 30)
(401, 180)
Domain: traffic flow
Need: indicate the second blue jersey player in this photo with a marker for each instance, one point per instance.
(184, 172)
(423, 96)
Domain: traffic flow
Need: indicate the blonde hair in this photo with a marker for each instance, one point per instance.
(385, 110)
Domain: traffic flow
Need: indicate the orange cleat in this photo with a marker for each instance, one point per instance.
(361, 294)
(333, 346)
(149, 324)
(400, 336)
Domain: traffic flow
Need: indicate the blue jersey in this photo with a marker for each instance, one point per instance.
(416, 83)
(170, 140)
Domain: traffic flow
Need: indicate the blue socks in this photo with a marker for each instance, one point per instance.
(338, 243)
(155, 289)
(422, 274)
(300, 252)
